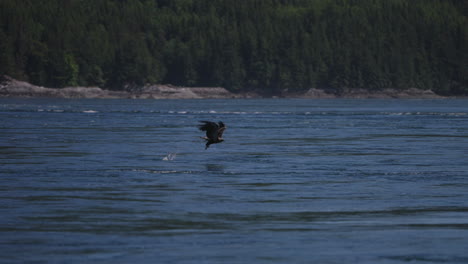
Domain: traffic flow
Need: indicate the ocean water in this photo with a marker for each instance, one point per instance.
(296, 181)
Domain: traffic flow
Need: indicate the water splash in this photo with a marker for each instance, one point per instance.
(170, 156)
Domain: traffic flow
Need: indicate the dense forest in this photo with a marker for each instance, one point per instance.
(263, 45)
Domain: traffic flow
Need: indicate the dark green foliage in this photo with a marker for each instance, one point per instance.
(263, 45)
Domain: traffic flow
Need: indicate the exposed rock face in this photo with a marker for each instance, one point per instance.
(411, 93)
(10, 87)
(173, 92)
(316, 93)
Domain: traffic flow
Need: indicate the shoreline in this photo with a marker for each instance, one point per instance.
(11, 88)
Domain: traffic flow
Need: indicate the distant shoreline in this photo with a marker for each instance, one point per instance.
(11, 88)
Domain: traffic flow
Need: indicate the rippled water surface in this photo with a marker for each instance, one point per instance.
(296, 181)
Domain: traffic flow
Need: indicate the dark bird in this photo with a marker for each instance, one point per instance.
(214, 132)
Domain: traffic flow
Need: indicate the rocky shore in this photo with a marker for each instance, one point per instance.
(412, 93)
(10, 87)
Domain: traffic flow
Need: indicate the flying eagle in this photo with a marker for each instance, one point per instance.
(214, 132)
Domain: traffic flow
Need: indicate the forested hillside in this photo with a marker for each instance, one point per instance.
(262, 45)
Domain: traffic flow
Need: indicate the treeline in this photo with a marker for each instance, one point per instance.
(263, 45)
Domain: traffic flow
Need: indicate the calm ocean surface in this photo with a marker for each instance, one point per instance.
(296, 181)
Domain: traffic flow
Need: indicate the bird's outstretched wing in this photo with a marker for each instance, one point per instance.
(221, 128)
(211, 128)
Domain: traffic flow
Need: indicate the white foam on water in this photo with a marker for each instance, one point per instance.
(170, 156)
(90, 111)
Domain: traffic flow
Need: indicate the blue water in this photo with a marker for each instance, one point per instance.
(296, 181)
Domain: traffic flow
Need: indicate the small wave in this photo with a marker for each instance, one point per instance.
(272, 113)
(426, 113)
(164, 171)
(90, 111)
